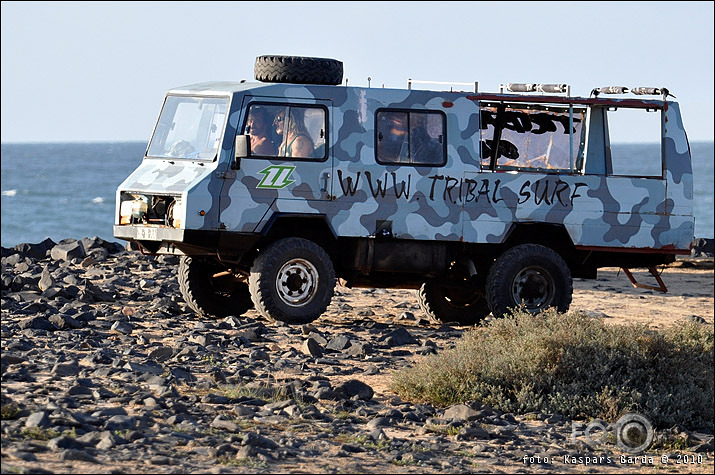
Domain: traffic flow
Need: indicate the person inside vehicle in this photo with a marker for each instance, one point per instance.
(296, 141)
(424, 147)
(257, 127)
(392, 145)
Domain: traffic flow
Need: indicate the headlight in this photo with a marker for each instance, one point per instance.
(132, 211)
(176, 213)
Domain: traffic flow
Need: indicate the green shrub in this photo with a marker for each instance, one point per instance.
(9, 411)
(573, 365)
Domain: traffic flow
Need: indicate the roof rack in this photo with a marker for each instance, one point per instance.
(543, 88)
(639, 91)
(414, 81)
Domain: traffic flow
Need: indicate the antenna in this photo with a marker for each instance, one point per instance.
(368, 81)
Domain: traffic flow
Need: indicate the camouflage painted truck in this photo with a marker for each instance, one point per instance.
(480, 201)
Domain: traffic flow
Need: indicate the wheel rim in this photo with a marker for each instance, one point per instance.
(297, 282)
(534, 287)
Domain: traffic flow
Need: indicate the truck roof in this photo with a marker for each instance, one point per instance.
(227, 88)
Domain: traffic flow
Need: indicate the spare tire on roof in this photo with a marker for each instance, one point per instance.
(298, 70)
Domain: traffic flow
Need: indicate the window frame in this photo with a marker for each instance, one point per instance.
(575, 157)
(326, 128)
(408, 112)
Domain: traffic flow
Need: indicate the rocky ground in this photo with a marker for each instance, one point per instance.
(105, 370)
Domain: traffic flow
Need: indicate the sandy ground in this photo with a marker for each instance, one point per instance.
(689, 282)
(690, 294)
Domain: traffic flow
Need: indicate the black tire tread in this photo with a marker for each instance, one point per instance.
(426, 305)
(437, 311)
(200, 297)
(498, 299)
(298, 70)
(262, 290)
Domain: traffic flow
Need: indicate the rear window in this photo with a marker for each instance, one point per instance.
(532, 137)
(635, 159)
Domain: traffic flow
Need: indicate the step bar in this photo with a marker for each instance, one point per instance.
(654, 272)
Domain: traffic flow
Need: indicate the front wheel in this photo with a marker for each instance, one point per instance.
(292, 280)
(531, 275)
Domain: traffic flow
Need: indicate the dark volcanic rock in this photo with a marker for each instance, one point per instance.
(356, 388)
(399, 337)
(66, 251)
(35, 251)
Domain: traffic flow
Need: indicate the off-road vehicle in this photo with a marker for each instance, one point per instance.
(271, 191)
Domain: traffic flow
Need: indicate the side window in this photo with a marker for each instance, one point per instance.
(531, 137)
(631, 154)
(286, 131)
(411, 138)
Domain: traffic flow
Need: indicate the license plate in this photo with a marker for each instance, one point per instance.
(148, 234)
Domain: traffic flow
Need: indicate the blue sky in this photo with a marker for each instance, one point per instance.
(98, 71)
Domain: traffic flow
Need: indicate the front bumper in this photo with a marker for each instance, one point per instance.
(166, 240)
(148, 233)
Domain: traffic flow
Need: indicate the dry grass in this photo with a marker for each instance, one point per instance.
(573, 365)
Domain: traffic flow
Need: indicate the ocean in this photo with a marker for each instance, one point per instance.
(67, 190)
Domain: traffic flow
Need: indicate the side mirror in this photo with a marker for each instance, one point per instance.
(242, 150)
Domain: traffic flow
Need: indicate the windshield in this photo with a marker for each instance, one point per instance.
(189, 127)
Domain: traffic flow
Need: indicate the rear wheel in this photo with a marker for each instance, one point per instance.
(444, 304)
(532, 275)
(292, 280)
(210, 290)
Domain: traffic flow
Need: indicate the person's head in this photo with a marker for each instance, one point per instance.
(279, 121)
(292, 123)
(398, 123)
(257, 121)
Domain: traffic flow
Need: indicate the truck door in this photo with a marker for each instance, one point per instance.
(289, 167)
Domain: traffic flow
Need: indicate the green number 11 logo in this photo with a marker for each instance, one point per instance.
(276, 177)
